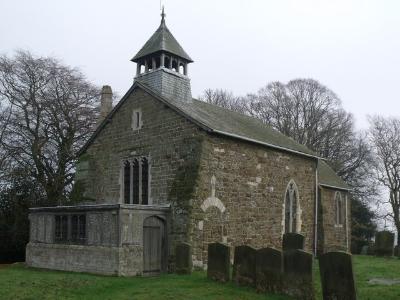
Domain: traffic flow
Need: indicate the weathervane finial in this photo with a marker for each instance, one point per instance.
(163, 15)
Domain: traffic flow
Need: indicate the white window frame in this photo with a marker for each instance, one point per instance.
(137, 119)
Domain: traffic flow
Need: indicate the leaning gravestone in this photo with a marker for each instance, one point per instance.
(297, 274)
(219, 261)
(384, 241)
(337, 278)
(244, 265)
(269, 270)
(183, 254)
(292, 241)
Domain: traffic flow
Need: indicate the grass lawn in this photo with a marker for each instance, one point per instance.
(20, 282)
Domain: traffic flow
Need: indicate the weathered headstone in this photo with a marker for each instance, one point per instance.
(337, 278)
(269, 270)
(364, 250)
(244, 265)
(396, 251)
(218, 263)
(292, 241)
(183, 254)
(298, 274)
(384, 242)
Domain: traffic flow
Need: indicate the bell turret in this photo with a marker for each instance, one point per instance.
(162, 64)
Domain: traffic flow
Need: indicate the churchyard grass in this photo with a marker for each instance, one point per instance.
(20, 282)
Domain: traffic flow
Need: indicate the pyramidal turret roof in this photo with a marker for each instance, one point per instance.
(162, 40)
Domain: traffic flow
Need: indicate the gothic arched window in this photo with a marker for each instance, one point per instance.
(292, 211)
(339, 208)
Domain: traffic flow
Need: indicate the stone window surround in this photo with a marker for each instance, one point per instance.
(122, 180)
(69, 239)
(340, 218)
(298, 208)
(137, 120)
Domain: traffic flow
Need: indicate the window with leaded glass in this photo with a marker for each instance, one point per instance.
(136, 181)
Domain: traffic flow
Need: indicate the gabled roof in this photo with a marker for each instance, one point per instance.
(162, 40)
(215, 119)
(327, 177)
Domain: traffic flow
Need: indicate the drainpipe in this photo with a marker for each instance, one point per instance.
(316, 211)
(347, 227)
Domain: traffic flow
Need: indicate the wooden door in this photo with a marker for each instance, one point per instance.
(153, 246)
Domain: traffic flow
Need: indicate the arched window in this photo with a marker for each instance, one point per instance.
(292, 211)
(339, 208)
(181, 69)
(167, 62)
(175, 66)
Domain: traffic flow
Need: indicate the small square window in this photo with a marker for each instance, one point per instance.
(137, 119)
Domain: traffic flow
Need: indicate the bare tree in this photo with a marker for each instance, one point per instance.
(311, 114)
(5, 115)
(225, 99)
(385, 136)
(51, 113)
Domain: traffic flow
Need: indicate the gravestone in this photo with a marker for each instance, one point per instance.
(183, 254)
(218, 263)
(364, 250)
(298, 274)
(292, 241)
(269, 270)
(384, 242)
(337, 278)
(244, 265)
(396, 251)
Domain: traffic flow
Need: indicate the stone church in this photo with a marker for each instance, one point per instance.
(163, 168)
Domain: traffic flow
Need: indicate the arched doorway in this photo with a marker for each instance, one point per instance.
(154, 245)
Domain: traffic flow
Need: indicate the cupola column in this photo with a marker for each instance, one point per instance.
(146, 66)
(162, 60)
(153, 64)
(138, 65)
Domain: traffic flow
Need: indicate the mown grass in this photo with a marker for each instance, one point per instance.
(20, 282)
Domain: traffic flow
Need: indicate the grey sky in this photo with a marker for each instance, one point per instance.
(351, 46)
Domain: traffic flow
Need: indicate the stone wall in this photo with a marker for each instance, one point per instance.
(93, 259)
(250, 185)
(333, 237)
(171, 142)
(114, 244)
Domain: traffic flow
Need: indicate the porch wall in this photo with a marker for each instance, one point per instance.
(114, 244)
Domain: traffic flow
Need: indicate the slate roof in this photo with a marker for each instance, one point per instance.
(328, 177)
(162, 40)
(226, 122)
(215, 119)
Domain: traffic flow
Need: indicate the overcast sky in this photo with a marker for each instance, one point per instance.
(351, 46)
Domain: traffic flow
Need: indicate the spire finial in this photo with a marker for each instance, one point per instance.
(163, 16)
